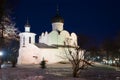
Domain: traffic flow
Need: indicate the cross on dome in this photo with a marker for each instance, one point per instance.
(27, 23)
(57, 17)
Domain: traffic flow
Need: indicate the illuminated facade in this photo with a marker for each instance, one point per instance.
(51, 45)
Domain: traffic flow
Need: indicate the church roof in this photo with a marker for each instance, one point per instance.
(65, 46)
(42, 45)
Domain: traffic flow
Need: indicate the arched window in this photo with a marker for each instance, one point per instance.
(29, 39)
(23, 41)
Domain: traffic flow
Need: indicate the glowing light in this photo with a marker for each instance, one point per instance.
(1, 53)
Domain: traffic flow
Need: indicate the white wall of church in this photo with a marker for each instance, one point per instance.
(54, 37)
(51, 55)
(29, 54)
(34, 55)
(57, 26)
(25, 38)
(27, 29)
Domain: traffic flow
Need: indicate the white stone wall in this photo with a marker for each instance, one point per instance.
(34, 55)
(29, 55)
(27, 29)
(25, 37)
(51, 55)
(54, 37)
(58, 26)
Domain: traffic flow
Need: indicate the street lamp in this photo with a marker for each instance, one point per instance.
(1, 53)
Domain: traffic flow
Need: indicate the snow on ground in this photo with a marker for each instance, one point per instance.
(29, 72)
(56, 72)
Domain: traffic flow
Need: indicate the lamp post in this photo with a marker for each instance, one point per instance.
(1, 40)
(1, 31)
(1, 53)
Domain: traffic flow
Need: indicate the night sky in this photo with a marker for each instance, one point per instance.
(95, 18)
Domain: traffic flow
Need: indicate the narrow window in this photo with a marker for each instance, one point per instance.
(23, 41)
(29, 39)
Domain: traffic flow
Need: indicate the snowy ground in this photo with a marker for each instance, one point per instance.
(57, 72)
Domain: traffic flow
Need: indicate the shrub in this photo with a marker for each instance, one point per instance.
(43, 64)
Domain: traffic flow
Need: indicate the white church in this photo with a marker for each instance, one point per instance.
(51, 45)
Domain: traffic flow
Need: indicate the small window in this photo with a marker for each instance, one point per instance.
(29, 39)
(23, 41)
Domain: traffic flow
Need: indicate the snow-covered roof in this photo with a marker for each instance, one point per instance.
(42, 45)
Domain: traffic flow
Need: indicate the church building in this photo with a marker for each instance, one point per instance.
(51, 45)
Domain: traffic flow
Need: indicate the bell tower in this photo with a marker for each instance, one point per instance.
(27, 37)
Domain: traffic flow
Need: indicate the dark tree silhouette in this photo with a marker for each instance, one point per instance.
(108, 46)
(6, 8)
(89, 44)
(117, 48)
(83, 41)
(43, 64)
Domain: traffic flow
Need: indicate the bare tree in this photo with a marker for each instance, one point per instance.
(76, 56)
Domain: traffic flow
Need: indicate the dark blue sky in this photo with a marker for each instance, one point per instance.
(95, 18)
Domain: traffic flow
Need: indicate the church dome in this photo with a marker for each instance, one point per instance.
(57, 18)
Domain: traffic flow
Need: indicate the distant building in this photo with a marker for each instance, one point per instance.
(51, 45)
